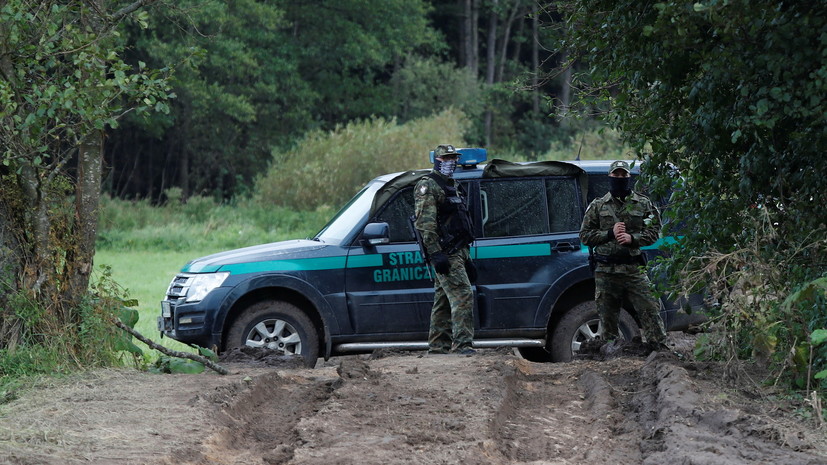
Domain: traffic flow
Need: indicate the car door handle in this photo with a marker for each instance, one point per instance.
(563, 247)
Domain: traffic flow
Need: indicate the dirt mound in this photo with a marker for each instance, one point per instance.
(257, 356)
(491, 408)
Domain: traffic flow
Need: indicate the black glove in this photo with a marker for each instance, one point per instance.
(471, 271)
(441, 263)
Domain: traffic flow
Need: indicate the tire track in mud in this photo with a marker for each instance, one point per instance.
(255, 421)
(480, 410)
(633, 411)
(687, 426)
(554, 414)
(407, 410)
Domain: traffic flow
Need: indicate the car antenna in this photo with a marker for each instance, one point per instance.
(578, 151)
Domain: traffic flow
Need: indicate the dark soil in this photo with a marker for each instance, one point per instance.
(612, 407)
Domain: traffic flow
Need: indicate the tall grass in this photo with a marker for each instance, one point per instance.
(201, 224)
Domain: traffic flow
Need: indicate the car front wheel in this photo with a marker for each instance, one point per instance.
(581, 323)
(277, 326)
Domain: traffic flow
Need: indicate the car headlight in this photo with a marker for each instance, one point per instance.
(203, 284)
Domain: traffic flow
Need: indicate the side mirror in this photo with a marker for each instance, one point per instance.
(376, 234)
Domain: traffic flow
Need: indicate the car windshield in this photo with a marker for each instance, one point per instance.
(350, 216)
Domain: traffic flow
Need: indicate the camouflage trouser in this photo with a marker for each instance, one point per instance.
(610, 290)
(452, 316)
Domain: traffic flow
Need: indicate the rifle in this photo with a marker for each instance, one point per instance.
(422, 250)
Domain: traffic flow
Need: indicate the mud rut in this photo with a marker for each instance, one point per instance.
(486, 410)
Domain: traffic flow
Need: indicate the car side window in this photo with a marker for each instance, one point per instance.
(396, 214)
(564, 205)
(514, 207)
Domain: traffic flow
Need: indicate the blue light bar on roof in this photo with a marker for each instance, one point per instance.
(468, 156)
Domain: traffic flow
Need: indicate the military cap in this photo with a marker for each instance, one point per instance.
(619, 165)
(444, 150)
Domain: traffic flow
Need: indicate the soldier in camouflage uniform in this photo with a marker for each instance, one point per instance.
(452, 319)
(617, 225)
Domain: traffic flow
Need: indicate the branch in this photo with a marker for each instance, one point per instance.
(131, 8)
(172, 353)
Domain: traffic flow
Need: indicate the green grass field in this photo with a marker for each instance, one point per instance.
(145, 276)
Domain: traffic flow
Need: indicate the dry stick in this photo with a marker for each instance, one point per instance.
(172, 353)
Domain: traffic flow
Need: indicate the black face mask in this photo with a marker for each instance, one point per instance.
(619, 187)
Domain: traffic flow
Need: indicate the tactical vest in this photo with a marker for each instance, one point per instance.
(453, 220)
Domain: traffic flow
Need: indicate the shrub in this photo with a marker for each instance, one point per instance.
(48, 347)
(327, 168)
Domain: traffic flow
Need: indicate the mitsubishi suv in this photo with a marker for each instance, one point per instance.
(361, 284)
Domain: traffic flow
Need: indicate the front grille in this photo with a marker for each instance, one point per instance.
(179, 286)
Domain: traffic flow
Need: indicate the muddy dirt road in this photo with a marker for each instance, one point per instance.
(407, 408)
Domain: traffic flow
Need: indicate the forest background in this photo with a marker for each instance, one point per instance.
(208, 125)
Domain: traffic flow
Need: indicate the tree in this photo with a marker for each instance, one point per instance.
(730, 96)
(256, 76)
(61, 84)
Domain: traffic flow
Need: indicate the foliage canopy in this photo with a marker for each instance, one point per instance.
(62, 82)
(730, 94)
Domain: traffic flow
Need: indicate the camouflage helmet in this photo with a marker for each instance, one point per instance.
(619, 165)
(443, 150)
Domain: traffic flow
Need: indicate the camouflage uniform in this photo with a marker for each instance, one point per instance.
(616, 280)
(452, 318)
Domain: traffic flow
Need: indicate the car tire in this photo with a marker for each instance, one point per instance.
(581, 323)
(279, 326)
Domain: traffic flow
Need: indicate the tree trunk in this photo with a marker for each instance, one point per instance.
(464, 31)
(491, 61)
(535, 64)
(87, 200)
(515, 12)
(565, 92)
(517, 48)
(474, 62)
(10, 267)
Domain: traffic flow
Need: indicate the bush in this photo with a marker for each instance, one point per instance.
(47, 347)
(327, 168)
(763, 314)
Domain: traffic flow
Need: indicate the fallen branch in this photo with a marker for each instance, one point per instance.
(172, 353)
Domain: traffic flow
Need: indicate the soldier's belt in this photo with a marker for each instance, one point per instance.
(610, 260)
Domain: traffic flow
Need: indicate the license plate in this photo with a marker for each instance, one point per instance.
(166, 311)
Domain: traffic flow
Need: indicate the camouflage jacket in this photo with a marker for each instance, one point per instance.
(428, 195)
(638, 212)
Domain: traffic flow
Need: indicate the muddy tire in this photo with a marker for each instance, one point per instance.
(278, 326)
(582, 323)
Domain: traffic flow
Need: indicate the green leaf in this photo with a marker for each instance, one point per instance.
(178, 365)
(128, 316)
(821, 374)
(208, 353)
(818, 336)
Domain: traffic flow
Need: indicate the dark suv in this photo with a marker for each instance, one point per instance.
(360, 284)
